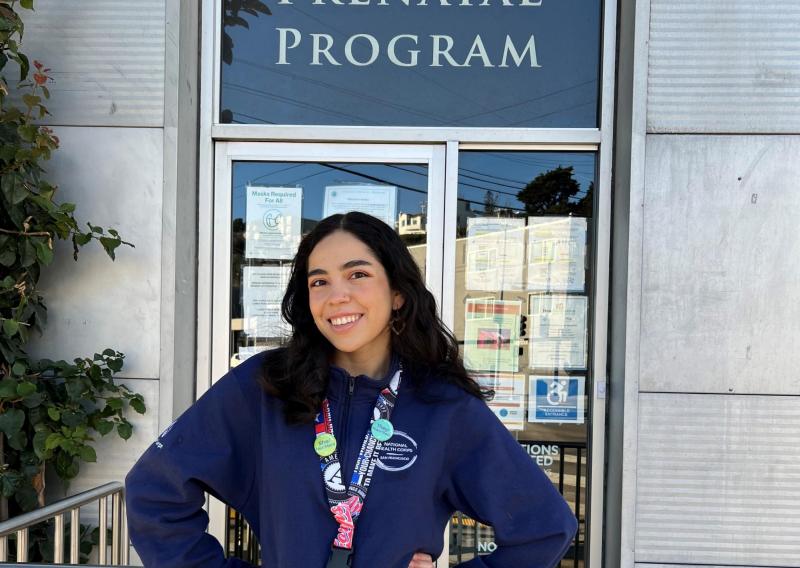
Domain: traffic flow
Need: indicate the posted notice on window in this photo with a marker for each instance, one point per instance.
(508, 403)
(558, 332)
(556, 254)
(273, 222)
(377, 200)
(262, 292)
(491, 334)
(495, 253)
(556, 399)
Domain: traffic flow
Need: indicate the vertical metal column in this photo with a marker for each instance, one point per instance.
(75, 522)
(22, 545)
(58, 540)
(102, 546)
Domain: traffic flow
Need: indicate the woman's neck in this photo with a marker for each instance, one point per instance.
(369, 365)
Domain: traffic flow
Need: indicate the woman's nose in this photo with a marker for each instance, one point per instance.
(339, 293)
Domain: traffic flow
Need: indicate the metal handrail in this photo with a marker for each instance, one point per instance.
(119, 531)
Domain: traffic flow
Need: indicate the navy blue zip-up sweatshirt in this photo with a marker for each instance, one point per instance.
(448, 455)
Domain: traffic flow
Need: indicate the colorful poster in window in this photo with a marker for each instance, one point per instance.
(556, 254)
(558, 332)
(508, 403)
(491, 334)
(495, 253)
(377, 200)
(556, 399)
(263, 288)
(273, 222)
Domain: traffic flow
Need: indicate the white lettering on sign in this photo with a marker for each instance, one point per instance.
(541, 454)
(528, 3)
(486, 546)
(323, 51)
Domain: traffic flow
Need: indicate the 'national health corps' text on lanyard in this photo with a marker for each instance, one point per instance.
(346, 504)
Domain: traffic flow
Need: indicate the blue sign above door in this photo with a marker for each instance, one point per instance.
(437, 63)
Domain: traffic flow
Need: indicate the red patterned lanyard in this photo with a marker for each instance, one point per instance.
(346, 503)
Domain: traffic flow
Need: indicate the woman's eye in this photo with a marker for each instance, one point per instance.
(316, 283)
(358, 274)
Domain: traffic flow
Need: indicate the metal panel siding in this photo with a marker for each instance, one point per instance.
(107, 59)
(718, 480)
(724, 66)
(115, 175)
(720, 308)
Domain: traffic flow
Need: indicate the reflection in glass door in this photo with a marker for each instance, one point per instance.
(522, 309)
(275, 203)
(268, 197)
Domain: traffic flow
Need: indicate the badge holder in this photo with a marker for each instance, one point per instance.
(339, 558)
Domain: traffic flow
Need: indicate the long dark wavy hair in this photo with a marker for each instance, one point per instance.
(298, 372)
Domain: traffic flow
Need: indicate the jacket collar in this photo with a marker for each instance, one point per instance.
(364, 387)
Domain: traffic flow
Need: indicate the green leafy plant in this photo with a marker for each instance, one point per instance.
(49, 410)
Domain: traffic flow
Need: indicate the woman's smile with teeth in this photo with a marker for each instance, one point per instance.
(346, 319)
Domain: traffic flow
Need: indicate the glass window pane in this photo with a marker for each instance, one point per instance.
(275, 203)
(522, 304)
(498, 63)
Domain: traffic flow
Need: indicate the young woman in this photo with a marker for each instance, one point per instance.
(354, 444)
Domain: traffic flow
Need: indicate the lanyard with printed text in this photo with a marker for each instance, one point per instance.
(346, 502)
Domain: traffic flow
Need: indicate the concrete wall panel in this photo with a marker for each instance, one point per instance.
(724, 66)
(721, 265)
(106, 56)
(115, 178)
(717, 480)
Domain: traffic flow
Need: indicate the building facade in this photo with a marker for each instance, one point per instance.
(599, 195)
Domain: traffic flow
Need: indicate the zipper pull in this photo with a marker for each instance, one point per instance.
(351, 385)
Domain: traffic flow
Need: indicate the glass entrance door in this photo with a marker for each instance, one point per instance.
(267, 196)
(519, 280)
(505, 242)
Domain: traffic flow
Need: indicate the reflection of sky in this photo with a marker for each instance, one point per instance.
(507, 173)
(503, 173)
(561, 93)
(411, 181)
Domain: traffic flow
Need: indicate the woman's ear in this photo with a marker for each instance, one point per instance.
(398, 301)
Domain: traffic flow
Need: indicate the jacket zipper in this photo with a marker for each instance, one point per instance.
(342, 434)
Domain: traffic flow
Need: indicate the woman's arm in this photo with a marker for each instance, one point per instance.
(495, 482)
(210, 448)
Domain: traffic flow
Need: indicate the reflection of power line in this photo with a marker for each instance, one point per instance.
(589, 177)
(258, 118)
(517, 187)
(526, 101)
(493, 176)
(355, 94)
(552, 112)
(303, 105)
(373, 178)
(465, 200)
(484, 188)
(250, 181)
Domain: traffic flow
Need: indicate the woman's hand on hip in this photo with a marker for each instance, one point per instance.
(421, 560)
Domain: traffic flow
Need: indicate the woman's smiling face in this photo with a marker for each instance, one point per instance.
(350, 297)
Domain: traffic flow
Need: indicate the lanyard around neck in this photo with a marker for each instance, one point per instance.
(346, 503)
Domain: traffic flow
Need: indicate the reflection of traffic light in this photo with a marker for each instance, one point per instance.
(523, 320)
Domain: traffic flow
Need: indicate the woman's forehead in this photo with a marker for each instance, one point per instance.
(339, 248)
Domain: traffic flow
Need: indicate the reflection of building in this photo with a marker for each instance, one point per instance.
(412, 223)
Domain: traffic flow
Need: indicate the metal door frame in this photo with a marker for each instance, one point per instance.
(226, 153)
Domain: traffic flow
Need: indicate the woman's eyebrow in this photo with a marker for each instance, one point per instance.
(345, 266)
